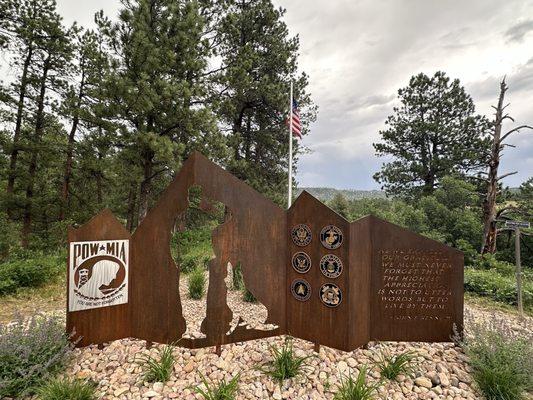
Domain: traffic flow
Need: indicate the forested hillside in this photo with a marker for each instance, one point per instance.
(327, 194)
(105, 117)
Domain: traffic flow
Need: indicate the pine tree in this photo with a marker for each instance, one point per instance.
(259, 60)
(156, 91)
(433, 133)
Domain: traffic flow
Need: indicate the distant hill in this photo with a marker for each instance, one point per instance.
(326, 194)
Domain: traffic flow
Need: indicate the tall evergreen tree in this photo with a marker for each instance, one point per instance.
(53, 53)
(434, 132)
(259, 59)
(158, 59)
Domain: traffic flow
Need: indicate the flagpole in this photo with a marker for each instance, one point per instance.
(290, 150)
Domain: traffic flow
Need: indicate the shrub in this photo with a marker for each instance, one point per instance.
(223, 391)
(30, 351)
(32, 271)
(65, 389)
(237, 278)
(158, 369)
(356, 389)
(392, 366)
(248, 296)
(197, 283)
(502, 364)
(501, 288)
(285, 364)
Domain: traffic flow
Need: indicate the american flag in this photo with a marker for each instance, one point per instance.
(296, 122)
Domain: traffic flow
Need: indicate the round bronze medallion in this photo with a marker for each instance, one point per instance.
(330, 294)
(331, 266)
(300, 289)
(301, 262)
(301, 235)
(331, 237)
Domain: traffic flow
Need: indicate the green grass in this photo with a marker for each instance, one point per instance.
(356, 389)
(192, 248)
(285, 363)
(390, 366)
(65, 389)
(502, 365)
(158, 369)
(197, 283)
(222, 391)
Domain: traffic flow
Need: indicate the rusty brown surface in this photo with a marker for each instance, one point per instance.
(104, 324)
(257, 234)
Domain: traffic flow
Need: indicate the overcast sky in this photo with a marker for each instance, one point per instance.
(358, 53)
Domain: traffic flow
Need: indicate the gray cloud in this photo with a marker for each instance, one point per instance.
(358, 53)
(517, 32)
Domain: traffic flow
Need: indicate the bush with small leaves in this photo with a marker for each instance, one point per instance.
(158, 369)
(66, 389)
(285, 363)
(390, 366)
(197, 283)
(356, 389)
(30, 351)
(223, 391)
(502, 364)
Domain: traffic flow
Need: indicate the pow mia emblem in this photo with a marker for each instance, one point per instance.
(300, 289)
(301, 262)
(301, 235)
(331, 266)
(331, 237)
(330, 294)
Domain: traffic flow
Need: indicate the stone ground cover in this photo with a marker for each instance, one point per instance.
(442, 371)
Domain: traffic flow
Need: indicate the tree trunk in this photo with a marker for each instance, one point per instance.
(146, 184)
(488, 244)
(132, 197)
(18, 127)
(70, 151)
(32, 169)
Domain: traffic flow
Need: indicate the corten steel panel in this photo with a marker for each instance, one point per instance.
(311, 319)
(416, 287)
(256, 233)
(103, 324)
(360, 261)
(253, 234)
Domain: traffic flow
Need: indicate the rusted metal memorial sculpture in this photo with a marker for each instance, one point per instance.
(320, 277)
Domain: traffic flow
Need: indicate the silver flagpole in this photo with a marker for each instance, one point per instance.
(290, 151)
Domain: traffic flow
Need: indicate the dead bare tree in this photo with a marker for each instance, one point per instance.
(490, 214)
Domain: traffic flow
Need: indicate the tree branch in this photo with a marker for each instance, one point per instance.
(515, 130)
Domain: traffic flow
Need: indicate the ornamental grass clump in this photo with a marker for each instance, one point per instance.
(66, 389)
(356, 389)
(197, 283)
(390, 366)
(285, 363)
(30, 352)
(158, 369)
(222, 391)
